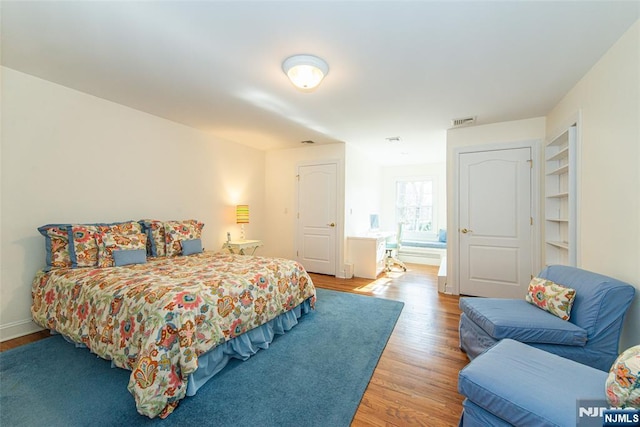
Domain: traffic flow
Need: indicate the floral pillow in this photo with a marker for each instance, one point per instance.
(127, 228)
(56, 245)
(551, 297)
(108, 242)
(177, 231)
(155, 237)
(84, 248)
(623, 382)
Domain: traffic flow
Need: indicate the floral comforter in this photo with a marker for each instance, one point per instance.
(155, 319)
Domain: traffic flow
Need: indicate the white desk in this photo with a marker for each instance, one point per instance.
(240, 246)
(367, 253)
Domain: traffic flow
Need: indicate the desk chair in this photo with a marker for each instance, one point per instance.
(391, 247)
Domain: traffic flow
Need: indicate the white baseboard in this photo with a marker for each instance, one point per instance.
(18, 329)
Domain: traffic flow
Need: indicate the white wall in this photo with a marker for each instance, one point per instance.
(70, 157)
(608, 98)
(363, 190)
(280, 194)
(497, 133)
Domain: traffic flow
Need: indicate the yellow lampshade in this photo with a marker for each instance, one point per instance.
(242, 214)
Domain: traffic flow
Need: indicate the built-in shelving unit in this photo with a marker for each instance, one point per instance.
(560, 199)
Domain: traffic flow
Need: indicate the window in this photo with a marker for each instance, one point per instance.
(415, 208)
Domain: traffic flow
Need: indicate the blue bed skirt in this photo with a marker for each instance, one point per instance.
(244, 346)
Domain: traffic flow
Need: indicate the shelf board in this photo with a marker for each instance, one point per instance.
(561, 245)
(558, 196)
(561, 140)
(557, 219)
(559, 171)
(562, 154)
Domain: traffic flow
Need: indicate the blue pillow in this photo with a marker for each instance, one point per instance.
(442, 235)
(193, 246)
(129, 256)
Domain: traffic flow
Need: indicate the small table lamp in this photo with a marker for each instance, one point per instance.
(242, 217)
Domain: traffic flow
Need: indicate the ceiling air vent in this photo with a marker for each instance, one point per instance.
(463, 121)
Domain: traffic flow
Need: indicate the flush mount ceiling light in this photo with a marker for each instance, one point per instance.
(305, 71)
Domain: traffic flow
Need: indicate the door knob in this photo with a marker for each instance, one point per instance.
(333, 224)
(465, 231)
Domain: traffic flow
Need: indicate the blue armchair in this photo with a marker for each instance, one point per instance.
(590, 336)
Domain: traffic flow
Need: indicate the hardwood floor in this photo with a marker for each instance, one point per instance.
(17, 342)
(415, 382)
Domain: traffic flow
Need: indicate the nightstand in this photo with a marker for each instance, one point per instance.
(242, 246)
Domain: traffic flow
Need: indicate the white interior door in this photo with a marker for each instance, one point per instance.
(317, 216)
(495, 223)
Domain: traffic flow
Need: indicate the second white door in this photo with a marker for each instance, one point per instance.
(317, 216)
(495, 223)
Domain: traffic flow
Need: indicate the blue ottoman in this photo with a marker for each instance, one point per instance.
(515, 384)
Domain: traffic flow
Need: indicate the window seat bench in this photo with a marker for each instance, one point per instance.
(423, 252)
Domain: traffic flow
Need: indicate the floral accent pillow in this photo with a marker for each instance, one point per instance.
(56, 245)
(551, 297)
(85, 248)
(84, 252)
(110, 241)
(623, 382)
(127, 228)
(155, 237)
(176, 231)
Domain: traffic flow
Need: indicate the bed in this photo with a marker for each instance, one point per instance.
(173, 321)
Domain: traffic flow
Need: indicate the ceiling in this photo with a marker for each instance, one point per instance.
(397, 68)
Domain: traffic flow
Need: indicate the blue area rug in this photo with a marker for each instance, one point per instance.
(314, 375)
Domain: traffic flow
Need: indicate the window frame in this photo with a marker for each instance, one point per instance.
(419, 236)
